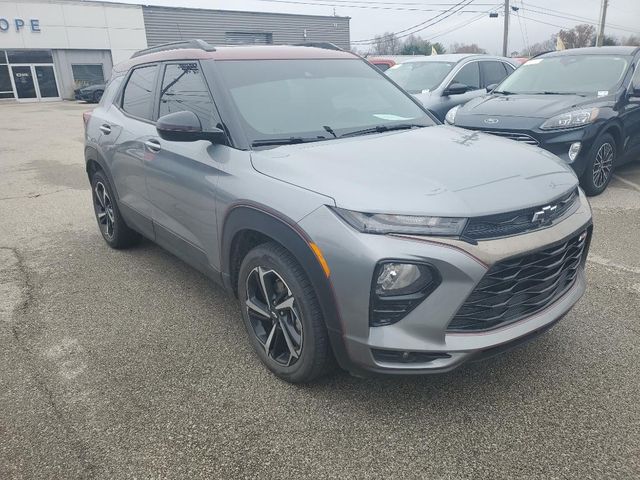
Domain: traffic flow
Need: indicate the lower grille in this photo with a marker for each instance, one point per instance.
(518, 137)
(522, 286)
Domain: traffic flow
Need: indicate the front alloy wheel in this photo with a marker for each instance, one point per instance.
(282, 315)
(274, 316)
(603, 165)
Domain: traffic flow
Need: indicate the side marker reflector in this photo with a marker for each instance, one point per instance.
(320, 257)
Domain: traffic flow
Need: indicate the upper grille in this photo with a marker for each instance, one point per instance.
(521, 286)
(518, 137)
(519, 221)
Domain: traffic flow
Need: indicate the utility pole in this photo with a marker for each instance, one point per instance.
(505, 38)
(603, 16)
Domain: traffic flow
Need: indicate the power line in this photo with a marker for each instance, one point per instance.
(420, 26)
(569, 16)
(464, 24)
(376, 5)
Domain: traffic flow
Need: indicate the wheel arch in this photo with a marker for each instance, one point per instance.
(94, 162)
(247, 225)
(615, 130)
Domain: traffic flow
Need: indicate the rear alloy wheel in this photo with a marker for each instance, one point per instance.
(112, 226)
(282, 316)
(600, 167)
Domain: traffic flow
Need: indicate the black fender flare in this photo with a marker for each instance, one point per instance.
(92, 154)
(262, 219)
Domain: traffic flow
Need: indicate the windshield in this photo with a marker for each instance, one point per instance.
(584, 74)
(301, 98)
(415, 77)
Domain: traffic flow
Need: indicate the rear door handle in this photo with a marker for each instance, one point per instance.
(153, 145)
(105, 128)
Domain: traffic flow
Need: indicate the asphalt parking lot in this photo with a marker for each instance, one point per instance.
(130, 364)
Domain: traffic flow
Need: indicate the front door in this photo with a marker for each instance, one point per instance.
(35, 82)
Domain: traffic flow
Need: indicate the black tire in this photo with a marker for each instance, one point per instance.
(97, 95)
(110, 222)
(278, 266)
(600, 165)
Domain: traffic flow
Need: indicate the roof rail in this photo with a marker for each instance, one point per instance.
(325, 45)
(193, 43)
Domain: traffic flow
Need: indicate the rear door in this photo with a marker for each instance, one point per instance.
(493, 72)
(182, 176)
(126, 133)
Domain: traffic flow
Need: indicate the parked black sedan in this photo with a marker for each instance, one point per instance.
(91, 93)
(582, 105)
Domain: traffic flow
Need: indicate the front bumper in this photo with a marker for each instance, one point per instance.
(352, 257)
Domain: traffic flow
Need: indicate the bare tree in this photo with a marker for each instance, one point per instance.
(631, 40)
(545, 46)
(579, 36)
(466, 48)
(387, 44)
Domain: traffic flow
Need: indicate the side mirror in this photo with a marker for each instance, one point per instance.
(186, 127)
(492, 87)
(455, 89)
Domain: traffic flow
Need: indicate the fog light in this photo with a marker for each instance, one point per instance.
(402, 278)
(574, 150)
(397, 289)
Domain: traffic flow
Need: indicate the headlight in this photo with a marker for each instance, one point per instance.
(382, 223)
(575, 118)
(451, 115)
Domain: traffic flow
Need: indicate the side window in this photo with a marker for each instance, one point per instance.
(493, 72)
(137, 99)
(110, 91)
(635, 81)
(184, 88)
(469, 75)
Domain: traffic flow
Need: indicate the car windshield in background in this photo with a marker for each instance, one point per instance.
(416, 77)
(583, 74)
(306, 100)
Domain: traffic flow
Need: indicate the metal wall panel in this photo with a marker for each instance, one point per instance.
(164, 24)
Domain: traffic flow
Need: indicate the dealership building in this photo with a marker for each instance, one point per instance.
(49, 48)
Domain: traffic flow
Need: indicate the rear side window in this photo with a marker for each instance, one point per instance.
(184, 88)
(469, 75)
(137, 99)
(110, 91)
(493, 72)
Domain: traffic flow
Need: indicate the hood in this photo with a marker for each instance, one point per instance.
(440, 170)
(531, 106)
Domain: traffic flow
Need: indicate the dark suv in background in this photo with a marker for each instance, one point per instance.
(582, 105)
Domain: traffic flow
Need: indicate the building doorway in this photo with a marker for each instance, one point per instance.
(33, 82)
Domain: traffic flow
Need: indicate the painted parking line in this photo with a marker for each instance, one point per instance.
(627, 182)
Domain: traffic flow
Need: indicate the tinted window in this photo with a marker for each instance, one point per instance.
(183, 88)
(84, 75)
(469, 76)
(415, 77)
(636, 78)
(588, 74)
(383, 67)
(137, 99)
(29, 56)
(284, 98)
(111, 90)
(493, 72)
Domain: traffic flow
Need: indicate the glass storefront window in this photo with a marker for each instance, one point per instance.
(87, 74)
(6, 90)
(29, 56)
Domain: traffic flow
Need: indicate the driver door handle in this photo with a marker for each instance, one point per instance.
(153, 145)
(105, 128)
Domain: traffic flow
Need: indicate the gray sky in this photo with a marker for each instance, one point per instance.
(623, 17)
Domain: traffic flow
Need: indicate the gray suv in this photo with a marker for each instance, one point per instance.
(440, 82)
(352, 226)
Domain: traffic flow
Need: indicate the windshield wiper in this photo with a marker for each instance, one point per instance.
(504, 92)
(285, 141)
(383, 128)
(547, 92)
